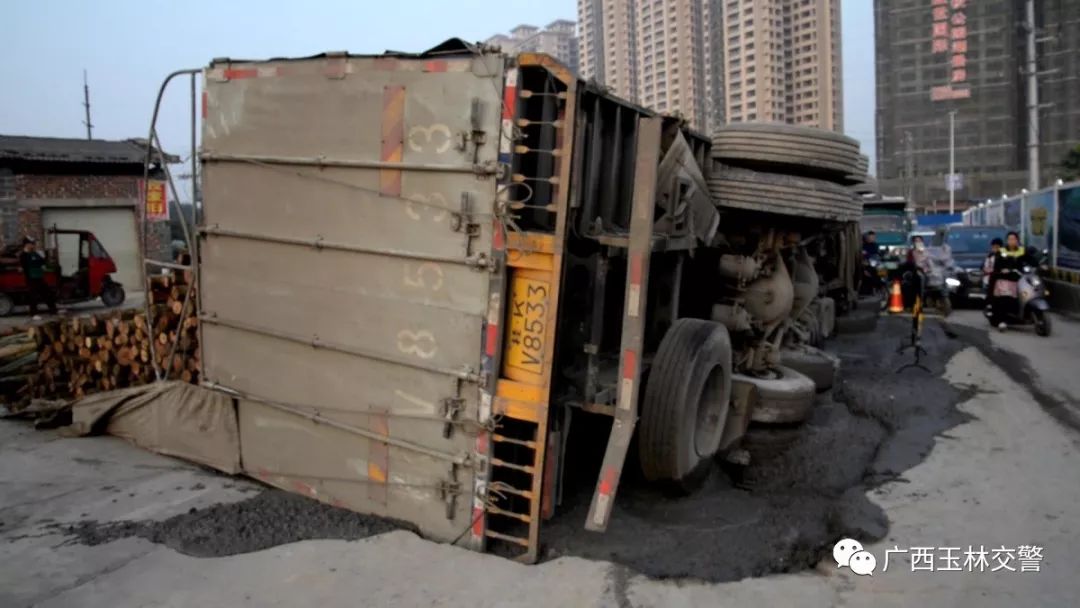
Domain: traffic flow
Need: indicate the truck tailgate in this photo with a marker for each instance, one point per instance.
(344, 273)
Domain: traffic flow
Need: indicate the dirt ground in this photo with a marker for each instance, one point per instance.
(872, 427)
(269, 519)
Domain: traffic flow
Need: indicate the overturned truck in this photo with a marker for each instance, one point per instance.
(423, 278)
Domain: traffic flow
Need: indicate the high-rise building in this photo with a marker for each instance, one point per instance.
(607, 42)
(671, 58)
(935, 57)
(781, 61)
(558, 39)
(716, 61)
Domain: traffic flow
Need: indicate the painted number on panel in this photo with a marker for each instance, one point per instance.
(425, 276)
(420, 343)
(434, 138)
(432, 206)
(528, 324)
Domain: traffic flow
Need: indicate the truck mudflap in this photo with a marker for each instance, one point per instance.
(346, 277)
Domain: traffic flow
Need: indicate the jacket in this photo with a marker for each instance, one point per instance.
(1008, 265)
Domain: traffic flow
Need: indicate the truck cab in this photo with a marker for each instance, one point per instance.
(888, 218)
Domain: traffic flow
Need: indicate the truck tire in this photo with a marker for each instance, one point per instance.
(737, 188)
(789, 149)
(785, 396)
(687, 397)
(112, 294)
(814, 363)
(6, 305)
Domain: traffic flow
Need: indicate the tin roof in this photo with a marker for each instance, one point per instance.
(64, 150)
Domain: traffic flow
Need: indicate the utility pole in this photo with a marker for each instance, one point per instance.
(952, 162)
(86, 106)
(909, 166)
(1032, 98)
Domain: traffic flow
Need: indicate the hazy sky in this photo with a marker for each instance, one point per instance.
(128, 47)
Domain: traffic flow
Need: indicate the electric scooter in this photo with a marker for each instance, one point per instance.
(1032, 307)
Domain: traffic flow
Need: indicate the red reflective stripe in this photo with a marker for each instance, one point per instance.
(435, 66)
(387, 64)
(509, 101)
(607, 481)
(498, 240)
(478, 521)
(393, 138)
(204, 104)
(491, 338)
(240, 74)
(635, 269)
(482, 443)
(629, 364)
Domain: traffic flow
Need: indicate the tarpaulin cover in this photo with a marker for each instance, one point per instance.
(171, 418)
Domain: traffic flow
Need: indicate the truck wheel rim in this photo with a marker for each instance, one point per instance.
(709, 416)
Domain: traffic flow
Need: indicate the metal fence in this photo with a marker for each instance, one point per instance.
(1047, 220)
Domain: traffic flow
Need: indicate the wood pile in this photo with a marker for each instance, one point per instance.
(71, 357)
(18, 363)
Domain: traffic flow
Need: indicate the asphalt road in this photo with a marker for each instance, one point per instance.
(1005, 477)
(22, 317)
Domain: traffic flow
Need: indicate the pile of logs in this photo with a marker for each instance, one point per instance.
(18, 362)
(74, 356)
(176, 326)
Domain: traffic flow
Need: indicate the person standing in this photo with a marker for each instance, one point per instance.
(33, 267)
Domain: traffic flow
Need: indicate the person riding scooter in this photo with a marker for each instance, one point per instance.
(916, 269)
(1008, 266)
(869, 244)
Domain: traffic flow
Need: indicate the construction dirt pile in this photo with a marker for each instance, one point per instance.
(268, 519)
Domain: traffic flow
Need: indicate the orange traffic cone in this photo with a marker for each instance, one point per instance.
(896, 299)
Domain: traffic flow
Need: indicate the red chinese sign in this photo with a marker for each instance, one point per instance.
(156, 200)
(949, 37)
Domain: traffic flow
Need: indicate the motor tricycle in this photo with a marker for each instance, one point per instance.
(91, 280)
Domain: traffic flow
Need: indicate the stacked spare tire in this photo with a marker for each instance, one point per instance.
(786, 169)
(739, 386)
(797, 171)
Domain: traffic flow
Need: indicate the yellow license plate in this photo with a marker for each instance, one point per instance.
(528, 324)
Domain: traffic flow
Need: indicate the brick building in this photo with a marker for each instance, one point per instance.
(82, 184)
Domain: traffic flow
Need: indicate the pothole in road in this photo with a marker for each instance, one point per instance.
(874, 426)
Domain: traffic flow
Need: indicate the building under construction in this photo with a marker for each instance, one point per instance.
(970, 56)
